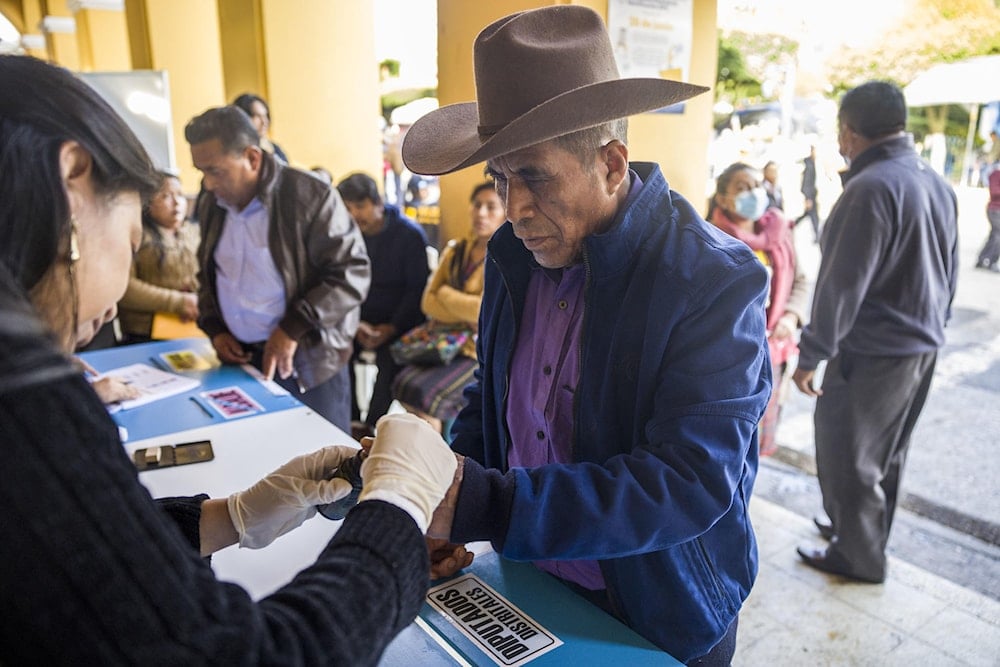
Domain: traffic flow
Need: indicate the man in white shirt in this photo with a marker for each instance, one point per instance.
(283, 267)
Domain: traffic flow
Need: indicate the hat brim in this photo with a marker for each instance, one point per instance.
(447, 139)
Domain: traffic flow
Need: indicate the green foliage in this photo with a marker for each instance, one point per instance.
(933, 31)
(389, 67)
(745, 60)
(926, 120)
(398, 98)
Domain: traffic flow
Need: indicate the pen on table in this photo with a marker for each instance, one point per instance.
(159, 364)
(203, 408)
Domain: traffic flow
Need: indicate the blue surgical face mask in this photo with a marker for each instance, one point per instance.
(751, 204)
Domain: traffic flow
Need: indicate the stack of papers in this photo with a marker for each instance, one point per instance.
(152, 383)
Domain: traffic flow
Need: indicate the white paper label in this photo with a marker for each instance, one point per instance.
(501, 630)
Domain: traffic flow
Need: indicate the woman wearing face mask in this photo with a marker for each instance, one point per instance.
(94, 571)
(740, 208)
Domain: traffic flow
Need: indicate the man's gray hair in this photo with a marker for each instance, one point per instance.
(583, 143)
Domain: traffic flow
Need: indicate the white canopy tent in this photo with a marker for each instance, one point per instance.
(971, 82)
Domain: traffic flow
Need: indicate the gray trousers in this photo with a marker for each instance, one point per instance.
(863, 423)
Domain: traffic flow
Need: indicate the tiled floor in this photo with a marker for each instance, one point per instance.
(799, 616)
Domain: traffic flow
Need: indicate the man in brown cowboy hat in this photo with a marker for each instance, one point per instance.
(610, 436)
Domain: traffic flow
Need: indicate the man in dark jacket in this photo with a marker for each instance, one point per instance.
(283, 268)
(397, 248)
(809, 193)
(611, 434)
(882, 298)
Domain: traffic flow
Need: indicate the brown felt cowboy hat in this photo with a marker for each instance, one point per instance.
(540, 74)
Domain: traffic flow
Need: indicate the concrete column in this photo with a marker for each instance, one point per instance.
(320, 79)
(26, 16)
(102, 35)
(181, 37)
(59, 28)
(242, 48)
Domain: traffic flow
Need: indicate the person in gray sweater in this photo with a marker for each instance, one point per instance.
(883, 295)
(95, 572)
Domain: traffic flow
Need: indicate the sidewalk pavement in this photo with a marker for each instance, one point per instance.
(798, 616)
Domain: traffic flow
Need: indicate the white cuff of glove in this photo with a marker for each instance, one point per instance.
(410, 462)
(402, 503)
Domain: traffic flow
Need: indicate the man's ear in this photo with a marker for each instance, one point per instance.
(615, 157)
(255, 156)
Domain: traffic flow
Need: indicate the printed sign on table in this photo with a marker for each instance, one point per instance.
(232, 402)
(495, 625)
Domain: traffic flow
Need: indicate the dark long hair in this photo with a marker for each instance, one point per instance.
(41, 108)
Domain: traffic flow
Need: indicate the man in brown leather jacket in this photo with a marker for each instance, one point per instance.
(283, 267)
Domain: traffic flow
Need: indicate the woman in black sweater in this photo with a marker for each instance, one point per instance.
(94, 571)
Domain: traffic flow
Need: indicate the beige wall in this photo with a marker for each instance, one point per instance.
(676, 141)
(322, 83)
(102, 36)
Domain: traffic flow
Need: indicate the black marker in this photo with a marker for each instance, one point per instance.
(160, 364)
(203, 408)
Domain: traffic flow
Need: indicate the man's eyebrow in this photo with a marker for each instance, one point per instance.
(531, 171)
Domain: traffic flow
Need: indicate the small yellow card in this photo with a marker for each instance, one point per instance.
(185, 360)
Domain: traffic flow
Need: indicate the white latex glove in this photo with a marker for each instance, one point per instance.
(288, 496)
(409, 466)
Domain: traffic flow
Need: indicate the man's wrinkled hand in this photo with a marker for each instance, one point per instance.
(279, 355)
(447, 558)
(229, 349)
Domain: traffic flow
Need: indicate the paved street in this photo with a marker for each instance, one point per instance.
(950, 517)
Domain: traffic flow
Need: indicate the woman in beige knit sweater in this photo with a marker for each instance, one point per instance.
(164, 269)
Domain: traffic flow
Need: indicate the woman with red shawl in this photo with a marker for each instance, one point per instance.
(740, 208)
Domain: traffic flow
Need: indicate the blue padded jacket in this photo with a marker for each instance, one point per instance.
(674, 378)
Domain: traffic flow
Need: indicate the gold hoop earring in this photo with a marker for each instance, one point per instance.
(74, 244)
(74, 257)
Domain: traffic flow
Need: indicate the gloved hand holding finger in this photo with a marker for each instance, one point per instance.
(288, 496)
(409, 466)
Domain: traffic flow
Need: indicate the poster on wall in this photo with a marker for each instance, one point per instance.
(652, 38)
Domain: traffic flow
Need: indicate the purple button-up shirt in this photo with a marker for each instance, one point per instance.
(544, 374)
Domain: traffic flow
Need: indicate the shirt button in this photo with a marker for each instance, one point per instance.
(562, 304)
(540, 435)
(547, 370)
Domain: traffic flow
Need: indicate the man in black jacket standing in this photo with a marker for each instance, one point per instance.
(809, 192)
(882, 298)
(283, 267)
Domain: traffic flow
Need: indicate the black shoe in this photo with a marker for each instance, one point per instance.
(825, 528)
(822, 561)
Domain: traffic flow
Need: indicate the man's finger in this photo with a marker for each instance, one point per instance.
(268, 367)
